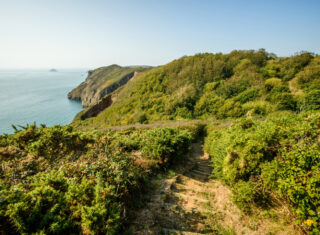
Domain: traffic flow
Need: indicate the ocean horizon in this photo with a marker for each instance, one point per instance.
(38, 95)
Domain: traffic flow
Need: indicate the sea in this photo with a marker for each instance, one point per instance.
(28, 96)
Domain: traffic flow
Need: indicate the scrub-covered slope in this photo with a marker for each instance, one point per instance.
(216, 85)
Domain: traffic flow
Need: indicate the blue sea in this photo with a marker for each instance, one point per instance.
(40, 96)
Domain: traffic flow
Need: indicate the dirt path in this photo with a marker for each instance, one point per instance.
(188, 202)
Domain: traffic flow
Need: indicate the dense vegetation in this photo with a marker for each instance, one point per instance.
(217, 85)
(57, 180)
(276, 157)
(82, 179)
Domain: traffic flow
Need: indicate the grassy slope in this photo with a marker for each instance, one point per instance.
(213, 85)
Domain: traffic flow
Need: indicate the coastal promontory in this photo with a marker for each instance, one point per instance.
(103, 81)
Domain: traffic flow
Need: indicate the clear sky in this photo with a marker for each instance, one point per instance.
(93, 33)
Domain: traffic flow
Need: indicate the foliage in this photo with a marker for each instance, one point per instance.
(272, 83)
(210, 85)
(260, 108)
(279, 155)
(312, 100)
(230, 109)
(59, 181)
(248, 95)
(310, 74)
(284, 101)
(165, 144)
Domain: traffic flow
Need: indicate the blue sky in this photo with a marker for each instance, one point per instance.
(93, 33)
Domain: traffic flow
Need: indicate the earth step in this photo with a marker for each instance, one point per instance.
(167, 204)
(203, 161)
(166, 187)
(208, 168)
(169, 184)
(174, 231)
(198, 175)
(204, 167)
(191, 188)
(189, 209)
(184, 178)
(204, 164)
(191, 197)
(200, 172)
(155, 198)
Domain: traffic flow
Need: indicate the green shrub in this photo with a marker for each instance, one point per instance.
(280, 154)
(244, 195)
(165, 144)
(312, 100)
(284, 101)
(208, 104)
(60, 181)
(230, 109)
(142, 118)
(310, 73)
(247, 95)
(280, 89)
(271, 83)
(53, 205)
(257, 108)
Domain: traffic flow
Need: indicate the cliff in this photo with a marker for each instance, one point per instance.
(94, 110)
(103, 81)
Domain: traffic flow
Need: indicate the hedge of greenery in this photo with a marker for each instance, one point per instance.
(57, 180)
(280, 155)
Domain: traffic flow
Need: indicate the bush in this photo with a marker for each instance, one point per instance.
(280, 154)
(230, 109)
(271, 83)
(284, 101)
(208, 104)
(312, 100)
(280, 89)
(310, 73)
(244, 195)
(51, 204)
(247, 95)
(60, 181)
(165, 144)
(257, 108)
(143, 118)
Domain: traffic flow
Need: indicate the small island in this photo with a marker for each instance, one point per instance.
(53, 70)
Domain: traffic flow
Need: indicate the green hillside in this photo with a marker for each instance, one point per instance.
(144, 165)
(216, 86)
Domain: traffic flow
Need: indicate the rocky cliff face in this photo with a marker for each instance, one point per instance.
(95, 109)
(102, 82)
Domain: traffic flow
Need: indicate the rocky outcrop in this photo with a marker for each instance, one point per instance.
(94, 110)
(102, 82)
